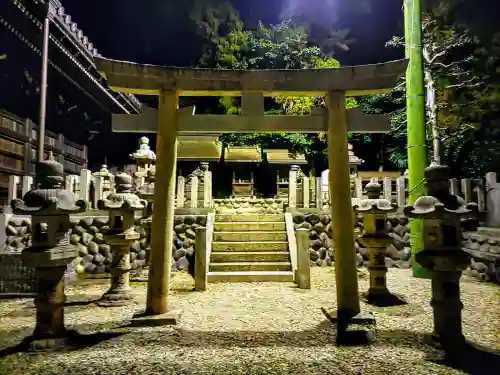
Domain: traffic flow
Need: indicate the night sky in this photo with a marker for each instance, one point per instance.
(158, 31)
(161, 32)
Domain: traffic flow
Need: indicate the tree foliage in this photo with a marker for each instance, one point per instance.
(281, 46)
(462, 76)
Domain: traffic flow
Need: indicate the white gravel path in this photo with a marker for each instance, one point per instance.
(268, 328)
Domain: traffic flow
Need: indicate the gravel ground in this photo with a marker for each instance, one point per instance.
(268, 328)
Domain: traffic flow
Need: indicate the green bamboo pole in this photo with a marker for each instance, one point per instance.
(415, 113)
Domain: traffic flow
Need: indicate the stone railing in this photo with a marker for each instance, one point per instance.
(195, 190)
(307, 193)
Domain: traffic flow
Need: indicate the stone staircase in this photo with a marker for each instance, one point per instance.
(250, 247)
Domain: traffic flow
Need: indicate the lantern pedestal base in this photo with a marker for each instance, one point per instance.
(353, 331)
(36, 342)
(142, 319)
(116, 297)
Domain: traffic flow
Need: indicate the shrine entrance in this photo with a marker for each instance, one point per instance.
(169, 122)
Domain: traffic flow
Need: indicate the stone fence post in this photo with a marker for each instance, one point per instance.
(181, 184)
(492, 200)
(388, 188)
(467, 189)
(303, 272)
(305, 191)
(85, 179)
(200, 259)
(207, 188)
(319, 194)
(194, 191)
(14, 182)
(358, 188)
(454, 187)
(401, 191)
(481, 199)
(292, 186)
(27, 184)
(98, 190)
(68, 183)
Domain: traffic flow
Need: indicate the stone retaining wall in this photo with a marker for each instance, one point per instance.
(484, 247)
(484, 251)
(94, 255)
(321, 247)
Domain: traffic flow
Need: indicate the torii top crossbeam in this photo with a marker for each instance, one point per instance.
(147, 79)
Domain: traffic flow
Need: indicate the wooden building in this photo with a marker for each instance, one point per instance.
(78, 97)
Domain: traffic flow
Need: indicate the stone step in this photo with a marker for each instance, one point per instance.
(250, 246)
(250, 276)
(249, 256)
(248, 217)
(250, 266)
(242, 226)
(249, 236)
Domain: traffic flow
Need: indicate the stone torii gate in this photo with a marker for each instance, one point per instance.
(252, 85)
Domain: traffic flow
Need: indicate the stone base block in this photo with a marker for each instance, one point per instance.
(383, 299)
(354, 331)
(142, 319)
(34, 343)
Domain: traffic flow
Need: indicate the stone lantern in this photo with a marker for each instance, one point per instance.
(49, 205)
(122, 207)
(104, 180)
(375, 238)
(144, 158)
(442, 255)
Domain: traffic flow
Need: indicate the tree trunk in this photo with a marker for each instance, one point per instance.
(432, 114)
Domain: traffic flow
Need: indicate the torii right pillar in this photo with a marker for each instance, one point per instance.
(346, 273)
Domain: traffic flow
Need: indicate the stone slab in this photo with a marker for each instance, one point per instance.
(255, 246)
(359, 330)
(250, 256)
(250, 266)
(171, 317)
(250, 276)
(250, 236)
(248, 217)
(241, 226)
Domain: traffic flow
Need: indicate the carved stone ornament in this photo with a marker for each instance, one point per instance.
(124, 199)
(439, 203)
(198, 172)
(374, 204)
(144, 153)
(49, 198)
(103, 173)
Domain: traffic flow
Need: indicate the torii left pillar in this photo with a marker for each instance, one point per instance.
(348, 307)
(162, 225)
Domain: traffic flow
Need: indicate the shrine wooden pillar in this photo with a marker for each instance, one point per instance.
(162, 226)
(346, 276)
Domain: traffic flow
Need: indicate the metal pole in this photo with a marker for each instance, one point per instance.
(43, 90)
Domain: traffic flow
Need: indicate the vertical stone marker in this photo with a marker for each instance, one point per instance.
(162, 225)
